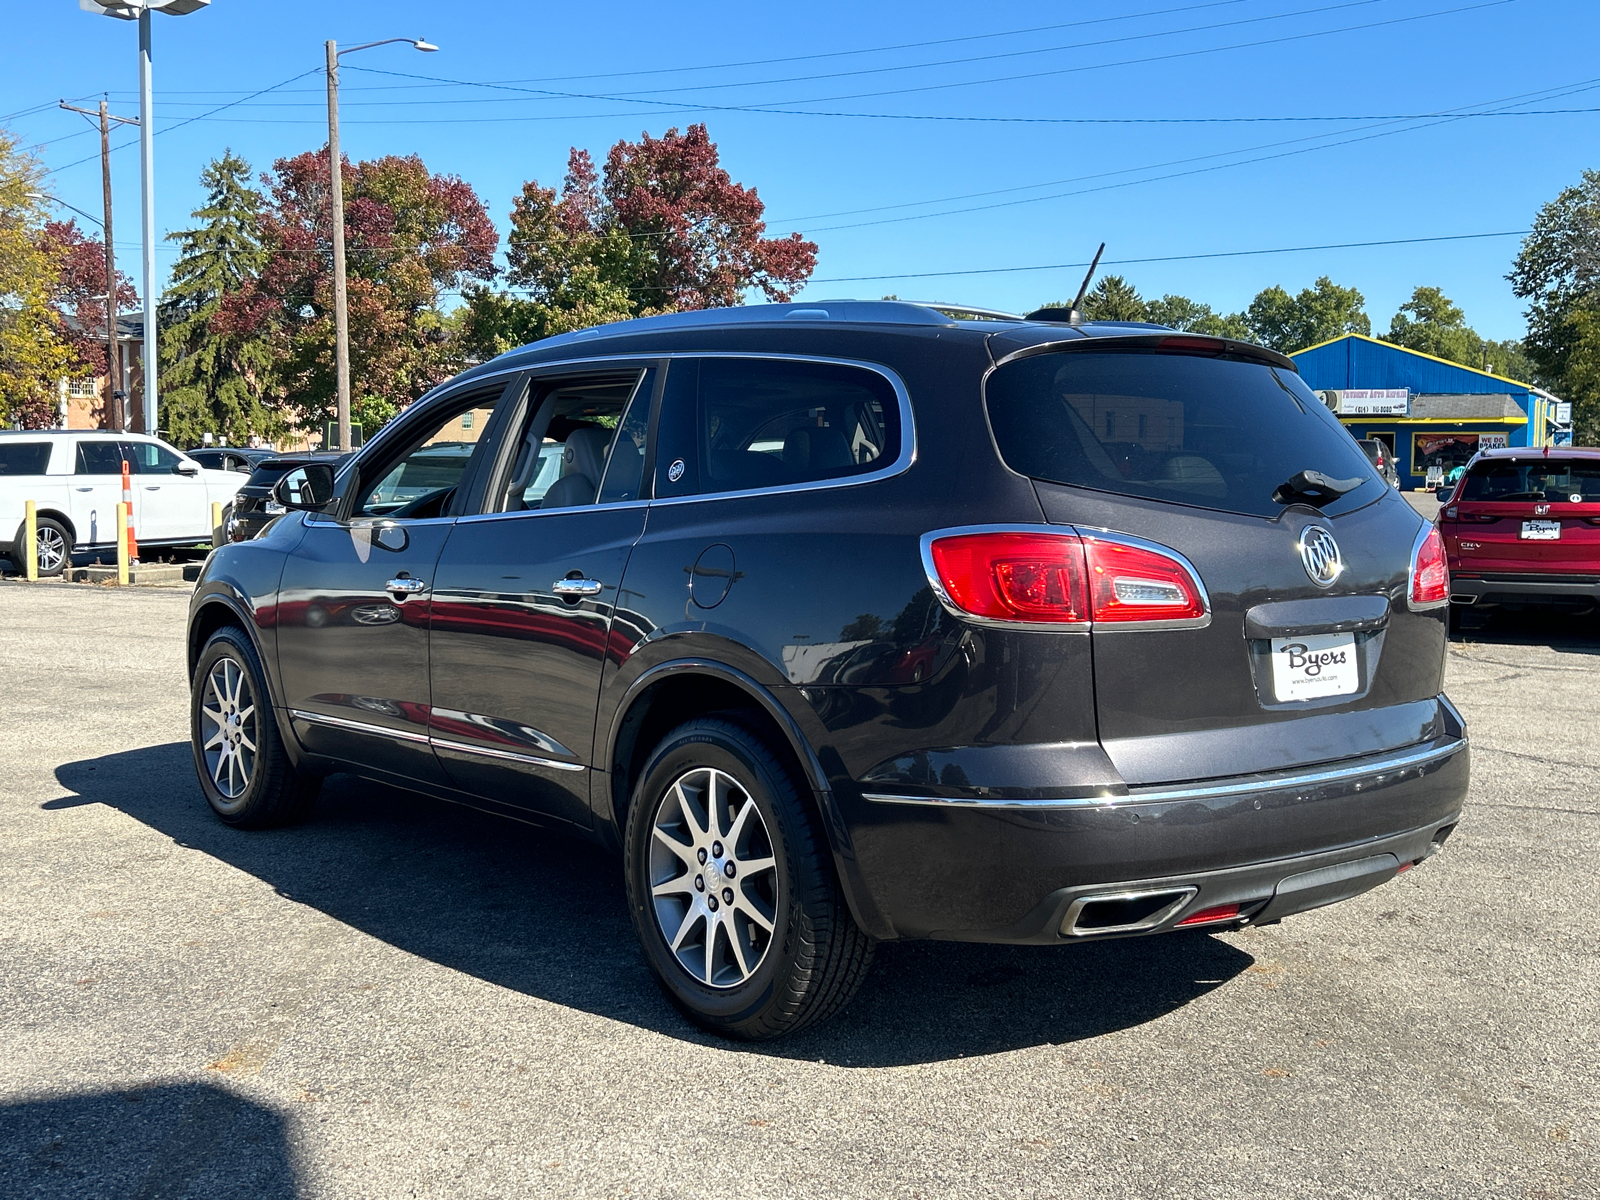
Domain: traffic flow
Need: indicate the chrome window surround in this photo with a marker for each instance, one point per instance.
(642, 359)
(1398, 763)
(1087, 626)
(1181, 896)
(406, 735)
(1411, 574)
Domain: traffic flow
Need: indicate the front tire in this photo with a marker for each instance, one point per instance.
(732, 890)
(52, 547)
(239, 755)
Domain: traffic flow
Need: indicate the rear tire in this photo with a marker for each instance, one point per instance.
(239, 754)
(751, 938)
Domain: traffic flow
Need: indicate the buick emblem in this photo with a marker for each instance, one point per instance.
(1320, 554)
(675, 471)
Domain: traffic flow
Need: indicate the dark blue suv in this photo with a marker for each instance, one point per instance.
(858, 620)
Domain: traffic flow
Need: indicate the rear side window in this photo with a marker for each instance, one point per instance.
(147, 458)
(1212, 432)
(757, 423)
(99, 458)
(1559, 481)
(24, 458)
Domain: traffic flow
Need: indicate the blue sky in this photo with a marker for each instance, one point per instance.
(1013, 136)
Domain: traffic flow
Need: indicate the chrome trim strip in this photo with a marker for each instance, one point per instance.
(1199, 791)
(404, 735)
(902, 461)
(509, 755)
(1183, 895)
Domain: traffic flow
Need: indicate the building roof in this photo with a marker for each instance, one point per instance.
(1357, 361)
(1464, 406)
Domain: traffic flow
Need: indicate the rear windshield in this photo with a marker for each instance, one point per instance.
(1560, 481)
(24, 458)
(1211, 432)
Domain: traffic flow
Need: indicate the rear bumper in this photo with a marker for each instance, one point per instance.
(1012, 872)
(1491, 589)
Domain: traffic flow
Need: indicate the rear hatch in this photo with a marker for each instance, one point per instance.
(1310, 652)
(1535, 514)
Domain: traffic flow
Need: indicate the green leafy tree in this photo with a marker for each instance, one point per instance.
(217, 377)
(1432, 323)
(34, 349)
(1509, 360)
(1114, 299)
(1318, 314)
(1557, 271)
(1192, 316)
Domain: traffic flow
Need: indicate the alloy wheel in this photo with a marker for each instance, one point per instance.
(713, 877)
(230, 748)
(51, 550)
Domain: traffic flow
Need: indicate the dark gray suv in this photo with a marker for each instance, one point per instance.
(858, 620)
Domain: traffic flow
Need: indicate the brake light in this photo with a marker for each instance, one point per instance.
(1380, 460)
(1451, 513)
(1138, 583)
(1014, 576)
(1430, 576)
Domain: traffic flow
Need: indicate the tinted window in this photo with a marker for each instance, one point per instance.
(625, 464)
(582, 442)
(99, 458)
(421, 482)
(1561, 481)
(756, 423)
(1212, 432)
(24, 458)
(147, 458)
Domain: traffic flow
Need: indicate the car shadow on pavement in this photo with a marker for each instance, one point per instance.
(1565, 633)
(178, 1139)
(543, 914)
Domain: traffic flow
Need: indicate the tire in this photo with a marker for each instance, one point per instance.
(745, 981)
(247, 777)
(53, 548)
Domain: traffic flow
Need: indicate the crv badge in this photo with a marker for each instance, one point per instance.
(1320, 554)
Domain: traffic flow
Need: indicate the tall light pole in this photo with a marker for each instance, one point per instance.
(341, 310)
(140, 10)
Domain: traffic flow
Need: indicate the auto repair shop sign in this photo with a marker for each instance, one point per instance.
(1374, 402)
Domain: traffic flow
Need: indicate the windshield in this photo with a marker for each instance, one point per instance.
(1212, 432)
(1556, 480)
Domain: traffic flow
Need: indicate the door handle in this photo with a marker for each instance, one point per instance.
(405, 586)
(574, 589)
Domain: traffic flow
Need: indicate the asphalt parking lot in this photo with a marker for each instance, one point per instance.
(401, 998)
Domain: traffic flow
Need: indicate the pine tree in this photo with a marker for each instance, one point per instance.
(216, 374)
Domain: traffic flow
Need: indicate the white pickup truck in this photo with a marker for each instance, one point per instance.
(75, 480)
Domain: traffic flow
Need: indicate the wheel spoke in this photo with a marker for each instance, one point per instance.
(691, 917)
(737, 829)
(755, 866)
(246, 713)
(746, 905)
(676, 886)
(684, 853)
(216, 739)
(690, 817)
(246, 742)
(217, 767)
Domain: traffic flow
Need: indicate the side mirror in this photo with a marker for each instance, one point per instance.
(306, 489)
(186, 469)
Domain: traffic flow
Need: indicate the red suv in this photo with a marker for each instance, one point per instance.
(1523, 526)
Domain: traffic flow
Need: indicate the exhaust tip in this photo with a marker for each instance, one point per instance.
(1123, 912)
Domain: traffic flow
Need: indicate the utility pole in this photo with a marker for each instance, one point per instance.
(116, 418)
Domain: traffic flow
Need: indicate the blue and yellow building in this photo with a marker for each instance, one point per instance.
(1429, 411)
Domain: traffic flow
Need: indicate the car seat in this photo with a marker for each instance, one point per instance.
(583, 460)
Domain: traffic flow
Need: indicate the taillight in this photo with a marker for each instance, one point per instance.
(1430, 576)
(1049, 578)
(1014, 576)
(1139, 583)
(1451, 513)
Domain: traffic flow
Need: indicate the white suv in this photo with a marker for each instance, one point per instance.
(75, 479)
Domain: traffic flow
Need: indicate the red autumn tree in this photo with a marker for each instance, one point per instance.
(666, 228)
(79, 294)
(410, 237)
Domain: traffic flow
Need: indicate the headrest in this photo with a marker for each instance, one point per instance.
(808, 448)
(585, 453)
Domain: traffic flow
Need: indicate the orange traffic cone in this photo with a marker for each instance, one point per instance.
(127, 498)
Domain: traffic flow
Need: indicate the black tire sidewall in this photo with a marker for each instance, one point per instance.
(716, 743)
(229, 642)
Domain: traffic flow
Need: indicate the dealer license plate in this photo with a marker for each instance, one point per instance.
(1314, 666)
(1541, 531)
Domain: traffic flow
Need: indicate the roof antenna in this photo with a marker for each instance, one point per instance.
(1075, 313)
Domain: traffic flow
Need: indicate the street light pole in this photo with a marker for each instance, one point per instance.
(341, 309)
(140, 10)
